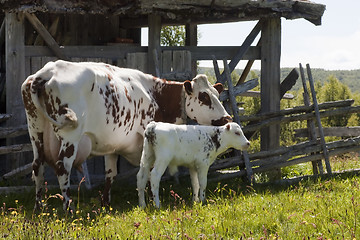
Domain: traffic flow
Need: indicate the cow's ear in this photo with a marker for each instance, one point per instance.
(219, 87)
(227, 126)
(188, 87)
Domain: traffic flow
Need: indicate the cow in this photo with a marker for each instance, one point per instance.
(77, 110)
(194, 146)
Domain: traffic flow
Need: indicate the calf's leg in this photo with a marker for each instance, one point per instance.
(156, 174)
(195, 184)
(202, 176)
(146, 162)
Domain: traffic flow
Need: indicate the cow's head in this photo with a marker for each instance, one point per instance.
(202, 102)
(233, 136)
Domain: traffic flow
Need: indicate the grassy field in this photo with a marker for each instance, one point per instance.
(327, 208)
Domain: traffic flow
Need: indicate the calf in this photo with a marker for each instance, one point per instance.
(195, 147)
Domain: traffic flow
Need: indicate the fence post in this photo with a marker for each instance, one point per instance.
(317, 113)
(317, 165)
(235, 111)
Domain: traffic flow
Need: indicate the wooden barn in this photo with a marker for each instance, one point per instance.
(34, 32)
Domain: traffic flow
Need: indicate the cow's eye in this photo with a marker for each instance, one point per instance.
(237, 133)
(204, 98)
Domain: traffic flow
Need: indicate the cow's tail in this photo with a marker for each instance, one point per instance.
(35, 90)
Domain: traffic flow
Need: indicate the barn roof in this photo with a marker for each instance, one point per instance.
(177, 11)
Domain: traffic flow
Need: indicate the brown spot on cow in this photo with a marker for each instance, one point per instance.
(204, 98)
(60, 168)
(105, 196)
(92, 87)
(169, 101)
(110, 77)
(67, 152)
(41, 155)
(38, 86)
(127, 94)
(222, 121)
(127, 117)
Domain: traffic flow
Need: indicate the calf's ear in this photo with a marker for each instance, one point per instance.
(188, 87)
(219, 87)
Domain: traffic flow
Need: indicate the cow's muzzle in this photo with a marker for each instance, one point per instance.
(222, 121)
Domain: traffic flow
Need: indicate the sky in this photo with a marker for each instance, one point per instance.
(334, 45)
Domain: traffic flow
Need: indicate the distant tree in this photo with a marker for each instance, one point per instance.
(172, 36)
(334, 90)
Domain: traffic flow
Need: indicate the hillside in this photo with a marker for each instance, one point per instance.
(349, 77)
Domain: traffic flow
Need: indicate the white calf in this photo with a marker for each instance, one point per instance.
(195, 147)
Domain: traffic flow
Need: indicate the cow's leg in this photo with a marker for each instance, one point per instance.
(64, 164)
(38, 166)
(202, 175)
(38, 178)
(155, 177)
(195, 184)
(110, 174)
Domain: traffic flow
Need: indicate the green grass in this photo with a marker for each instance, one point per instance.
(320, 209)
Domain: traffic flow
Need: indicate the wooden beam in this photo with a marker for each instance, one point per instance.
(13, 131)
(4, 117)
(240, 89)
(317, 165)
(318, 120)
(270, 82)
(15, 67)
(50, 41)
(235, 110)
(242, 50)
(300, 117)
(191, 39)
(343, 104)
(2, 33)
(154, 50)
(247, 68)
(330, 131)
(118, 52)
(251, 93)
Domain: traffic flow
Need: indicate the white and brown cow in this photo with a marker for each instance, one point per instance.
(196, 147)
(75, 110)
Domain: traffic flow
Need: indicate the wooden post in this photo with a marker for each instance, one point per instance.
(317, 113)
(244, 47)
(50, 41)
(154, 50)
(247, 68)
(15, 74)
(317, 165)
(235, 111)
(191, 40)
(226, 102)
(270, 82)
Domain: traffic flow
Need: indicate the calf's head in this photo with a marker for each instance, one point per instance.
(234, 137)
(202, 102)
